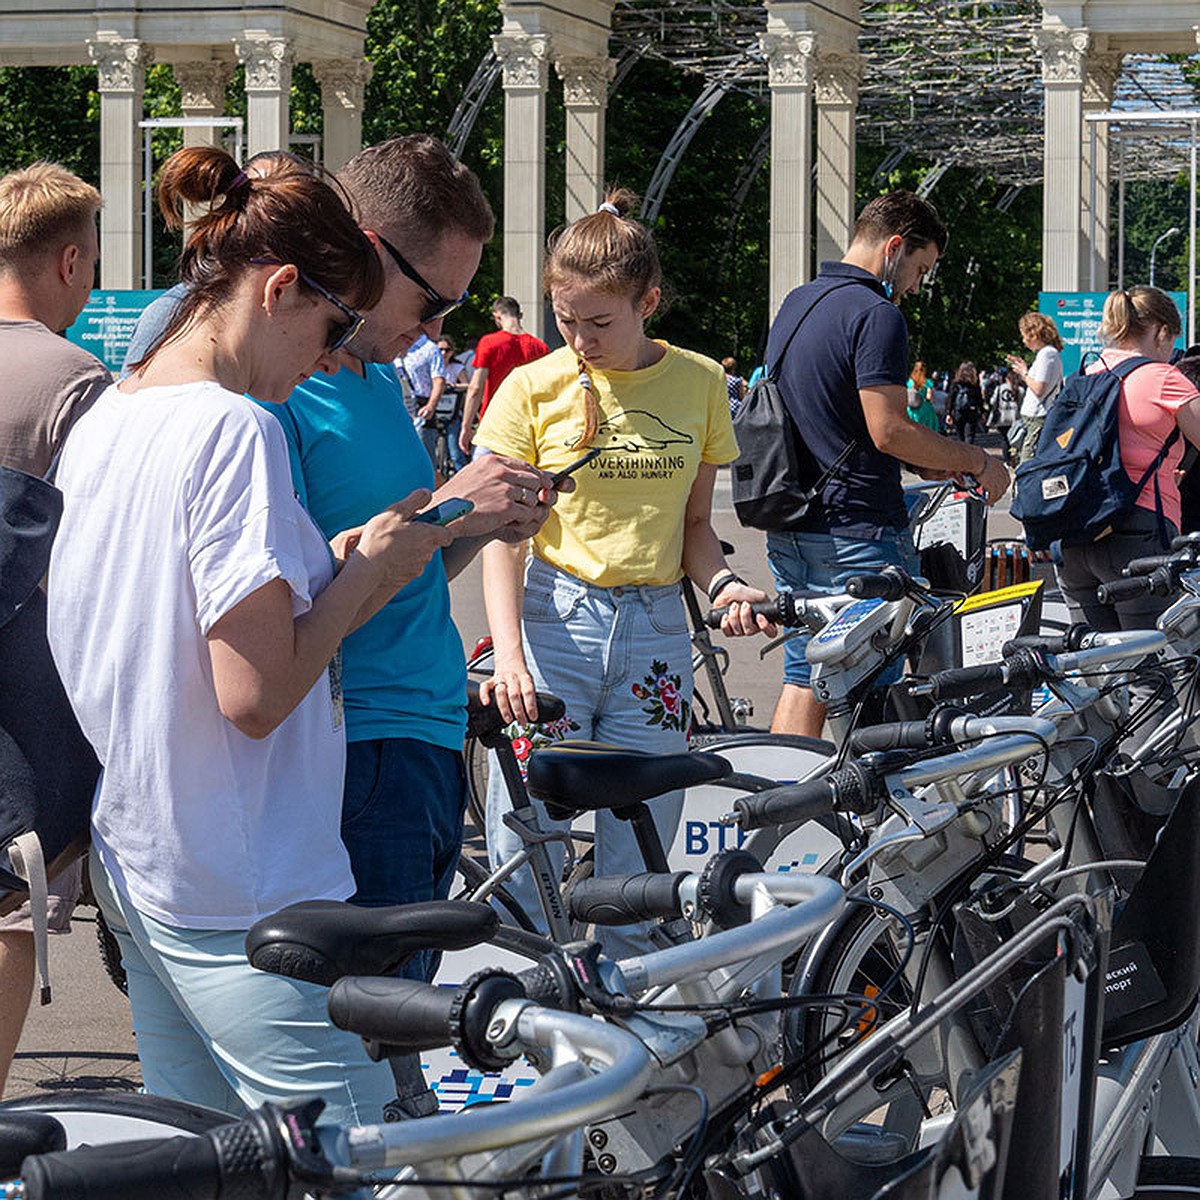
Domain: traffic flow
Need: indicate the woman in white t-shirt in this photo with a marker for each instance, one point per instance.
(1043, 378)
(195, 614)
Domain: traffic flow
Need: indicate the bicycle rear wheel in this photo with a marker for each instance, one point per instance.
(474, 875)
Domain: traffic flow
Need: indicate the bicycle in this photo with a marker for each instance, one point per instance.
(492, 1021)
(855, 958)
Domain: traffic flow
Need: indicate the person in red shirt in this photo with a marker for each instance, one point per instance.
(496, 355)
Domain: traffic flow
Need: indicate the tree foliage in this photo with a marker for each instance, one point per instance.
(715, 255)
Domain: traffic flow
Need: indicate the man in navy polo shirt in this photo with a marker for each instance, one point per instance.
(843, 379)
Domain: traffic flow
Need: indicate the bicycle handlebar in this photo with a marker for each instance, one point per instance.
(855, 788)
(792, 611)
(247, 1158)
(1074, 638)
(891, 583)
(626, 899)
(1023, 669)
(1158, 582)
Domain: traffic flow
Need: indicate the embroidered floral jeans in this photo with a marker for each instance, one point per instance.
(620, 659)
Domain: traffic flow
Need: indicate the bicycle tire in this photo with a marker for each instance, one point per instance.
(857, 958)
(1168, 1177)
(110, 954)
(475, 875)
(584, 868)
(102, 1117)
(475, 757)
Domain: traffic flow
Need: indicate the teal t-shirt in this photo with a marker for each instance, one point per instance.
(354, 451)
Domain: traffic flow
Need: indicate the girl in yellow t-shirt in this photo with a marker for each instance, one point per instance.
(595, 615)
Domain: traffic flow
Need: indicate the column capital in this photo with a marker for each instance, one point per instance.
(202, 83)
(1063, 54)
(121, 62)
(268, 60)
(1103, 71)
(585, 80)
(342, 80)
(790, 57)
(525, 59)
(837, 78)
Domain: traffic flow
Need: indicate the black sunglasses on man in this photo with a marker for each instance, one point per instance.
(439, 306)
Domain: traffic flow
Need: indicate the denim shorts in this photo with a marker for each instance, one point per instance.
(620, 659)
(822, 562)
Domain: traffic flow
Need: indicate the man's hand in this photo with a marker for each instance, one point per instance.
(428, 412)
(343, 543)
(511, 498)
(994, 478)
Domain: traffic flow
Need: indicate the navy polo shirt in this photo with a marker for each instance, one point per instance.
(853, 338)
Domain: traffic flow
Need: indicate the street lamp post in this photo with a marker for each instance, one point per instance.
(1154, 249)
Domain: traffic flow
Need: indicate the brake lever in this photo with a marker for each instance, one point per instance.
(924, 820)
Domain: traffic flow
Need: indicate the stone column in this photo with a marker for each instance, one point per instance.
(1098, 84)
(1062, 52)
(202, 94)
(585, 96)
(525, 60)
(790, 75)
(342, 82)
(837, 77)
(121, 64)
(268, 62)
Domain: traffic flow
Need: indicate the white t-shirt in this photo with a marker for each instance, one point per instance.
(178, 505)
(1046, 367)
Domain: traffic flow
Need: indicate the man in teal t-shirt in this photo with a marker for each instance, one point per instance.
(354, 451)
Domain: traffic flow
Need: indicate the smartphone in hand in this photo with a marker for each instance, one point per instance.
(444, 513)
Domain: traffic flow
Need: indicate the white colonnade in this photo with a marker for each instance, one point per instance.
(204, 43)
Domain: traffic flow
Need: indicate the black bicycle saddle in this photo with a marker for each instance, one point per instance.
(319, 941)
(585, 776)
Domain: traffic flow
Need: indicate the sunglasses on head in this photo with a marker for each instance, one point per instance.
(340, 336)
(439, 306)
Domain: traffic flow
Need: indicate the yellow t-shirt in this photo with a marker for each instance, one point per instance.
(623, 524)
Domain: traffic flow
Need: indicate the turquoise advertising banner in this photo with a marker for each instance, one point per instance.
(106, 323)
(1077, 315)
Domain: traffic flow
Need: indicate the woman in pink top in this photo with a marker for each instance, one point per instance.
(1156, 398)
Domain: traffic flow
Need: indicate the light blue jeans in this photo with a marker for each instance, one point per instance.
(212, 1030)
(620, 659)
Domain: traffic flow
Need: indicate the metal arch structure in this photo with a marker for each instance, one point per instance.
(473, 99)
(714, 92)
(957, 81)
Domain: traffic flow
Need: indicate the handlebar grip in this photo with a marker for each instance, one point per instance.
(402, 1012)
(1123, 589)
(244, 1159)
(871, 587)
(1062, 643)
(763, 608)
(895, 735)
(1143, 566)
(626, 899)
(550, 708)
(966, 681)
(782, 805)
